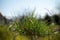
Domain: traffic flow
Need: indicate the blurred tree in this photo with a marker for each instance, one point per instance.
(48, 19)
(3, 20)
(56, 19)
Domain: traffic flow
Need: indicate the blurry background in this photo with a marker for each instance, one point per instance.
(11, 8)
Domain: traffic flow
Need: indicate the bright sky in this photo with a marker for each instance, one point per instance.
(14, 7)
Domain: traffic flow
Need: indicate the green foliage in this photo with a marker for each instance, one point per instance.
(29, 25)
